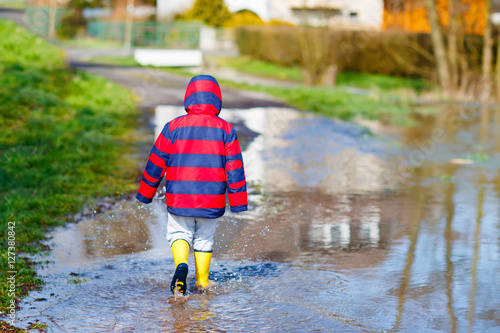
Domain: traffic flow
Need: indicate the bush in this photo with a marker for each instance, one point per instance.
(212, 12)
(242, 18)
(73, 21)
(71, 24)
(390, 53)
(277, 44)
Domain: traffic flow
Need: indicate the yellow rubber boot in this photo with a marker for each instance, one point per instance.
(202, 261)
(180, 250)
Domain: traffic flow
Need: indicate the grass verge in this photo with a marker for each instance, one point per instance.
(380, 82)
(337, 103)
(114, 61)
(65, 140)
(91, 43)
(356, 95)
(368, 96)
(248, 65)
(12, 4)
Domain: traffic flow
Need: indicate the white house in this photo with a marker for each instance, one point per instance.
(360, 13)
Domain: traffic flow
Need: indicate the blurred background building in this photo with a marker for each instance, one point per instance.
(314, 12)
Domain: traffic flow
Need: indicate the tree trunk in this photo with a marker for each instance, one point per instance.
(452, 44)
(52, 19)
(316, 52)
(439, 49)
(129, 26)
(498, 68)
(487, 56)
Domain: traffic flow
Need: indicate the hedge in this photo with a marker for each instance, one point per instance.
(391, 53)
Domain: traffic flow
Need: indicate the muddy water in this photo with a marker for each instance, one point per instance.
(346, 232)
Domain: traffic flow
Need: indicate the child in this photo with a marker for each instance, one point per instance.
(200, 157)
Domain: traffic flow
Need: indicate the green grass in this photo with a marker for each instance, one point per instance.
(330, 101)
(91, 43)
(248, 65)
(381, 82)
(12, 4)
(384, 83)
(64, 142)
(334, 102)
(6, 327)
(114, 61)
(387, 97)
(77, 281)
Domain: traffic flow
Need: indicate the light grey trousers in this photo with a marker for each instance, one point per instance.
(197, 231)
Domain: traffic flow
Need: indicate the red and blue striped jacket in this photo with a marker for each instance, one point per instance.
(199, 156)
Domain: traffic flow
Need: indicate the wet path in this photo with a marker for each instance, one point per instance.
(346, 233)
(157, 87)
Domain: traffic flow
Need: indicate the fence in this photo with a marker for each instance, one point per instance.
(37, 18)
(174, 35)
(170, 35)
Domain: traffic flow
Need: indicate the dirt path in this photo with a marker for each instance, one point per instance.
(156, 87)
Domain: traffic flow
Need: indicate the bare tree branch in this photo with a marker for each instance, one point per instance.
(439, 49)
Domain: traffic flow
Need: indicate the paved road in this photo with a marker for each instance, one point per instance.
(156, 87)
(15, 15)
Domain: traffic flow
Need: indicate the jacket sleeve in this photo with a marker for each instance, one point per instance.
(235, 174)
(155, 167)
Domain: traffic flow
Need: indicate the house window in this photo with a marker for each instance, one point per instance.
(316, 16)
(353, 17)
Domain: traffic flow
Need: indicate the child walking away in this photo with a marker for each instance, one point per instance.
(200, 158)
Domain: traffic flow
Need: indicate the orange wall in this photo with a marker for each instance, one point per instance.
(412, 15)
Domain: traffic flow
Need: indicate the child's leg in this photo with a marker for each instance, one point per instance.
(203, 241)
(180, 232)
(180, 227)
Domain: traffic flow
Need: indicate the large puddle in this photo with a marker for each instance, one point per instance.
(346, 232)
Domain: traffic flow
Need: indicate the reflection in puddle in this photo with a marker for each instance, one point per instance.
(294, 150)
(344, 232)
(337, 238)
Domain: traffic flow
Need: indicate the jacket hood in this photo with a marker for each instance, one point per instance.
(203, 96)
